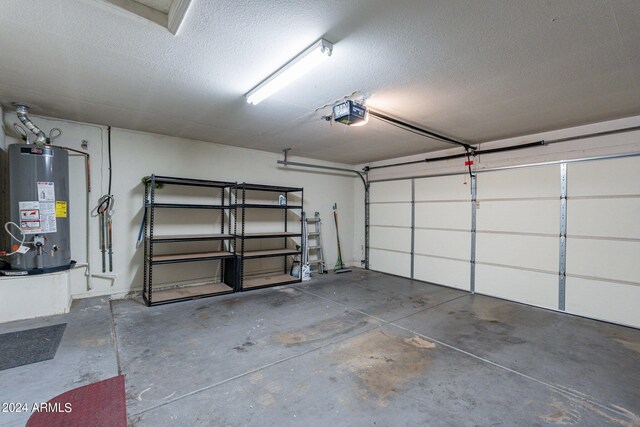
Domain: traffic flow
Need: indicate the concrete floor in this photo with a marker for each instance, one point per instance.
(354, 349)
(86, 355)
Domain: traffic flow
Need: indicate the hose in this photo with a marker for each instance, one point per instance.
(24, 236)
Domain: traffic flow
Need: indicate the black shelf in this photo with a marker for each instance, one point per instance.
(188, 181)
(225, 252)
(191, 238)
(270, 235)
(190, 257)
(188, 293)
(265, 206)
(273, 188)
(269, 253)
(184, 206)
(242, 205)
(231, 251)
(261, 282)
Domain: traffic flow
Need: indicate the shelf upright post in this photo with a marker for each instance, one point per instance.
(235, 237)
(151, 223)
(241, 278)
(222, 215)
(286, 224)
(303, 219)
(145, 285)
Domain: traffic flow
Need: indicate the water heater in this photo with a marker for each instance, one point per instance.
(38, 202)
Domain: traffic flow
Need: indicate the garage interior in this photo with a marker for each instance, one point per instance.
(312, 213)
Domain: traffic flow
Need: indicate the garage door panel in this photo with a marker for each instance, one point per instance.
(536, 252)
(452, 244)
(390, 262)
(391, 191)
(606, 259)
(529, 287)
(442, 188)
(396, 214)
(614, 302)
(443, 271)
(604, 177)
(397, 239)
(443, 215)
(529, 216)
(519, 183)
(604, 217)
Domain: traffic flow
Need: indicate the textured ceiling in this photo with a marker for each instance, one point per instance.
(475, 70)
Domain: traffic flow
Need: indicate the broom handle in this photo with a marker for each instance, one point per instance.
(335, 216)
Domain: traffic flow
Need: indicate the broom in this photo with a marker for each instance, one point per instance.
(339, 268)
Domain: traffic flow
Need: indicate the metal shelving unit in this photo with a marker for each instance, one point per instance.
(241, 204)
(228, 280)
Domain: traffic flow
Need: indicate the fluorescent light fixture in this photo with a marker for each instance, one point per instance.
(310, 58)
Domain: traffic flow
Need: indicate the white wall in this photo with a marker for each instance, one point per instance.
(137, 154)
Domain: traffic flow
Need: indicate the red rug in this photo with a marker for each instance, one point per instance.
(100, 404)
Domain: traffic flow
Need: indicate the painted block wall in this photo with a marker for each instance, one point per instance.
(137, 154)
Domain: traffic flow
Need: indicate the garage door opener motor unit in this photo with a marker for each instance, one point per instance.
(37, 222)
(350, 113)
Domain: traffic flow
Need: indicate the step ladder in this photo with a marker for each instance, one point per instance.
(315, 254)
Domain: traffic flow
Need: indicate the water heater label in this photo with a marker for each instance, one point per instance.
(37, 217)
(46, 192)
(30, 214)
(48, 217)
(61, 209)
(30, 217)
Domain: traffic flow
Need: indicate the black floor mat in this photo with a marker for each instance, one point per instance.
(30, 346)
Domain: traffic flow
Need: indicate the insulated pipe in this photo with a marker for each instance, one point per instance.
(21, 112)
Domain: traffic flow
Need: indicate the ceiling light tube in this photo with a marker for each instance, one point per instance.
(310, 58)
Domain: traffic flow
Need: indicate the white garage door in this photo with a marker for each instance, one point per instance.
(603, 240)
(390, 227)
(443, 231)
(517, 241)
(518, 235)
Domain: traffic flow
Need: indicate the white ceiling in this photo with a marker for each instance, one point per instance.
(475, 70)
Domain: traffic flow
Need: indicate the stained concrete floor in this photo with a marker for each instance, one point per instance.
(356, 349)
